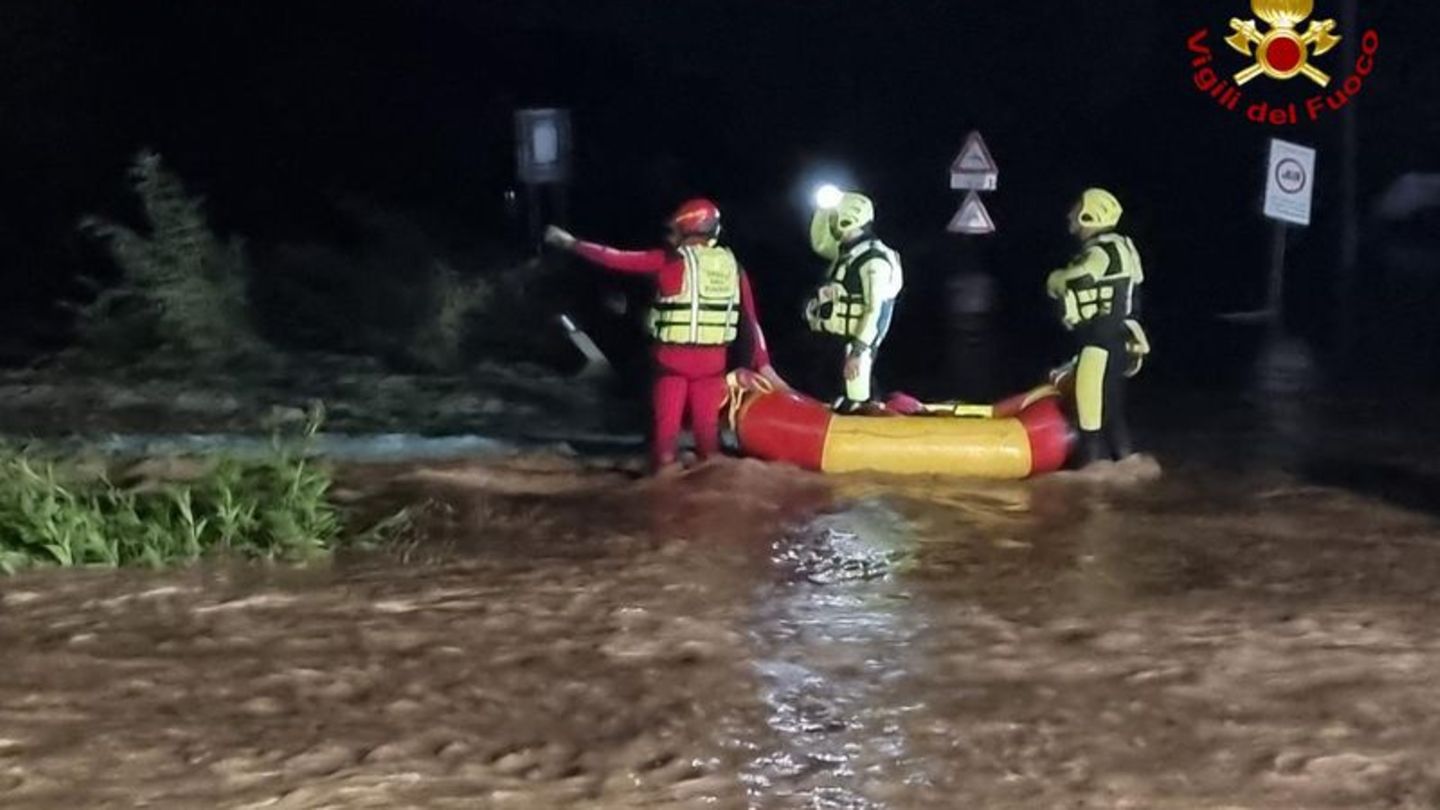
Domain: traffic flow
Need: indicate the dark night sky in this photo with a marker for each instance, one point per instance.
(276, 110)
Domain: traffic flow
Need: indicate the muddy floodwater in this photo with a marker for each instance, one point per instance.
(1256, 629)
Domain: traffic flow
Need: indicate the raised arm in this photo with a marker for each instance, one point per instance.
(623, 261)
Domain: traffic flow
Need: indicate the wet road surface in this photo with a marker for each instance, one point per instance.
(1255, 630)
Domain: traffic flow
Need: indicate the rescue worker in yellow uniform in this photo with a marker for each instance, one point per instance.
(1098, 295)
(857, 301)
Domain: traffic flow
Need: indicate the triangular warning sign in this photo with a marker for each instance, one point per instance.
(974, 158)
(972, 218)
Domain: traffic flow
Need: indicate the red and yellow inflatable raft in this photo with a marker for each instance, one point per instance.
(1020, 437)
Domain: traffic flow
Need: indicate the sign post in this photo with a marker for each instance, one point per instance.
(542, 159)
(1289, 196)
(969, 290)
(1290, 182)
(974, 170)
(972, 218)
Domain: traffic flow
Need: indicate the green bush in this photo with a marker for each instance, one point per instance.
(53, 514)
(390, 291)
(380, 286)
(441, 338)
(181, 289)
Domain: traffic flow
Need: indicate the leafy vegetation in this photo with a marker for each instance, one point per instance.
(440, 341)
(182, 288)
(376, 285)
(53, 513)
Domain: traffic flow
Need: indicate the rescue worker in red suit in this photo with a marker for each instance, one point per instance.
(703, 299)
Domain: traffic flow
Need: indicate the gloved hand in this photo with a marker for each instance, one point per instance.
(1137, 347)
(1055, 285)
(559, 237)
(853, 355)
(1059, 373)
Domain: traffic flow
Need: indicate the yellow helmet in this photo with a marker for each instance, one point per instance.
(1099, 209)
(832, 226)
(855, 211)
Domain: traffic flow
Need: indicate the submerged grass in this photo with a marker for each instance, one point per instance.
(52, 513)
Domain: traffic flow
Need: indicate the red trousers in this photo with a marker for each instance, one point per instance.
(687, 378)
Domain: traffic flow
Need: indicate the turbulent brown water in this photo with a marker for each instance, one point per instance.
(1246, 632)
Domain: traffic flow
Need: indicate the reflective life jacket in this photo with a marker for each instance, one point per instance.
(840, 306)
(706, 311)
(1107, 294)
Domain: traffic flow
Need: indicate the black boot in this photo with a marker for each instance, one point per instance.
(1091, 448)
(1118, 438)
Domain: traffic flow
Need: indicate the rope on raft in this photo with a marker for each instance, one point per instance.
(740, 388)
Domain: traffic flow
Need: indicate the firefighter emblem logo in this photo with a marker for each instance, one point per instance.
(1283, 52)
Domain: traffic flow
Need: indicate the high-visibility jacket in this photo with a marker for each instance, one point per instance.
(706, 310)
(1099, 284)
(859, 283)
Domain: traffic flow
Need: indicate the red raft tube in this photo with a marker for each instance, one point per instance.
(1020, 437)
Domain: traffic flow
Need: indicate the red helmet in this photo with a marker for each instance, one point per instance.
(697, 217)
